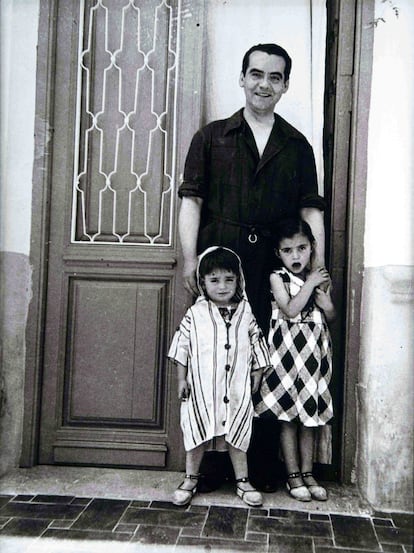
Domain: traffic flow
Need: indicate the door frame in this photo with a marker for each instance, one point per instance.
(352, 26)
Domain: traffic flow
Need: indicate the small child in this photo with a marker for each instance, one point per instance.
(220, 353)
(296, 391)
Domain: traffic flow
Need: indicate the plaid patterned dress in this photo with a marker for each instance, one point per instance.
(297, 388)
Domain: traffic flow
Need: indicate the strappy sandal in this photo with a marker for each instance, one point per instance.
(253, 498)
(182, 496)
(300, 492)
(317, 492)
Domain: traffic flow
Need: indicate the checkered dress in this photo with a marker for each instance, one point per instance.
(297, 388)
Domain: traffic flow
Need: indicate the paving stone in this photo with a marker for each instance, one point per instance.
(167, 505)
(159, 517)
(382, 522)
(191, 532)
(198, 509)
(156, 535)
(226, 522)
(290, 526)
(54, 499)
(22, 498)
(289, 544)
(354, 532)
(4, 499)
(392, 548)
(101, 514)
(125, 528)
(403, 520)
(401, 536)
(63, 524)
(256, 536)
(41, 510)
(85, 535)
(186, 544)
(319, 516)
(140, 503)
(342, 550)
(81, 501)
(259, 512)
(24, 527)
(3, 521)
(283, 513)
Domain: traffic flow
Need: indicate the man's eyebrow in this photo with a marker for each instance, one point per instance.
(272, 73)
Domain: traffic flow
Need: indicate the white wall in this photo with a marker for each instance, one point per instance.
(390, 201)
(386, 380)
(18, 36)
(299, 26)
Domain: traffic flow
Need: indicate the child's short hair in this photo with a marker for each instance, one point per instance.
(287, 228)
(223, 259)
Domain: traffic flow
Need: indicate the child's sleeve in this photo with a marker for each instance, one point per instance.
(260, 351)
(179, 347)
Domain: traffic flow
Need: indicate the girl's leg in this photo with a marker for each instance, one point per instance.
(291, 453)
(185, 491)
(244, 489)
(192, 464)
(306, 442)
(306, 439)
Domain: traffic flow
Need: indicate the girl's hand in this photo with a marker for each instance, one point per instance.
(318, 276)
(256, 379)
(324, 301)
(183, 390)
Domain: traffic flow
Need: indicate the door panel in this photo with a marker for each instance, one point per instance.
(122, 125)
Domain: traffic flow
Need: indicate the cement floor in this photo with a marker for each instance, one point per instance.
(159, 486)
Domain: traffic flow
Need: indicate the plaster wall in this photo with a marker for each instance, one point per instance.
(386, 384)
(18, 36)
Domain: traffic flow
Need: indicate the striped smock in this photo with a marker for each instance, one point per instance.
(219, 355)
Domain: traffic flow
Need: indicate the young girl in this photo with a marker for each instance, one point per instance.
(296, 391)
(220, 353)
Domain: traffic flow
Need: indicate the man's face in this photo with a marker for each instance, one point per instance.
(263, 82)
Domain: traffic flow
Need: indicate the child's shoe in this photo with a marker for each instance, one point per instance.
(300, 491)
(252, 497)
(317, 492)
(183, 496)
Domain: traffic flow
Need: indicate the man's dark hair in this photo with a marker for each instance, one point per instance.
(272, 50)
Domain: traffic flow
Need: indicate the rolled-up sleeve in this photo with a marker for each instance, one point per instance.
(195, 180)
(309, 182)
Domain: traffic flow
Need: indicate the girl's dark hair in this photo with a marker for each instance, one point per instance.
(220, 258)
(287, 228)
(223, 259)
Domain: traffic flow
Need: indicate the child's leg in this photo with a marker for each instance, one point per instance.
(185, 491)
(244, 489)
(306, 441)
(291, 449)
(192, 464)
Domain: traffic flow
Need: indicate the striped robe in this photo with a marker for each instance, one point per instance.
(219, 357)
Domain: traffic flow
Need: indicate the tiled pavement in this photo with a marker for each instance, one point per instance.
(59, 523)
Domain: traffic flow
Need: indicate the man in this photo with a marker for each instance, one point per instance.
(245, 173)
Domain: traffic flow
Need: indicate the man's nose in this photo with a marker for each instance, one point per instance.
(295, 254)
(265, 83)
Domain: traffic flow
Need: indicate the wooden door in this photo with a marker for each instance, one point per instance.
(125, 98)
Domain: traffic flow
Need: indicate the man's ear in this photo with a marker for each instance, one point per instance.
(286, 86)
(241, 79)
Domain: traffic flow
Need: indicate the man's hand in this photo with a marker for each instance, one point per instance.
(189, 276)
